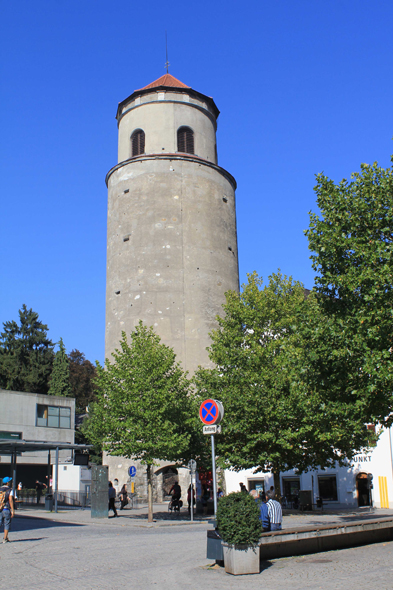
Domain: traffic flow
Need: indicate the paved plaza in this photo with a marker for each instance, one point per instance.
(70, 550)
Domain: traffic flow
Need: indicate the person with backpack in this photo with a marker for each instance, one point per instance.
(6, 506)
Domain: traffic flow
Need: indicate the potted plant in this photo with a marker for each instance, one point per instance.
(240, 527)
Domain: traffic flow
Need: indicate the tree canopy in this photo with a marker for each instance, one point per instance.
(82, 375)
(60, 377)
(277, 416)
(26, 354)
(144, 406)
(352, 252)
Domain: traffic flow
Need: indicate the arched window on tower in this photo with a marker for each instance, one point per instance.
(185, 140)
(137, 143)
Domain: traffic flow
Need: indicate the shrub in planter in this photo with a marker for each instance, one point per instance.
(239, 524)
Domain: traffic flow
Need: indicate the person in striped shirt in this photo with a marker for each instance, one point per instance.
(275, 514)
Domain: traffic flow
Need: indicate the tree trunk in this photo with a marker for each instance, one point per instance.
(277, 484)
(149, 494)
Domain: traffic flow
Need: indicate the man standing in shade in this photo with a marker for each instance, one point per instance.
(7, 505)
(275, 514)
(38, 488)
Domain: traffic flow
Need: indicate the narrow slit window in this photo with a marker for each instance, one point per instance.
(138, 143)
(185, 140)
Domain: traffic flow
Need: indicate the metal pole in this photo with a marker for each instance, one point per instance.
(56, 476)
(14, 476)
(214, 476)
(192, 498)
(49, 474)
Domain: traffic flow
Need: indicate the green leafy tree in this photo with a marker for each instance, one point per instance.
(60, 377)
(352, 245)
(144, 407)
(82, 375)
(26, 354)
(276, 415)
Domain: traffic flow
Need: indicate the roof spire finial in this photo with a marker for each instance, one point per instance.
(167, 64)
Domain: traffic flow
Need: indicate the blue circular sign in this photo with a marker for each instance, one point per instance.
(132, 471)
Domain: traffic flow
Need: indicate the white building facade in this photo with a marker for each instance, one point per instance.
(338, 487)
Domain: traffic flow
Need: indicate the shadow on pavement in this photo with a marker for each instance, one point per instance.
(172, 516)
(30, 523)
(28, 540)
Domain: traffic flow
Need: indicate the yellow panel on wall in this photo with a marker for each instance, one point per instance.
(383, 491)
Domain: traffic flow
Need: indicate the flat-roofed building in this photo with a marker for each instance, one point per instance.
(35, 417)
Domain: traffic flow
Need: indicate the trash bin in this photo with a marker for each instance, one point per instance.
(49, 502)
(214, 547)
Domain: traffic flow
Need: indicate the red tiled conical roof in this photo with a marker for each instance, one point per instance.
(166, 80)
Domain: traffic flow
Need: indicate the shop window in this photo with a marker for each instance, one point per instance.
(328, 488)
(256, 484)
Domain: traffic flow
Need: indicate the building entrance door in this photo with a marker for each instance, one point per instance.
(291, 492)
(363, 490)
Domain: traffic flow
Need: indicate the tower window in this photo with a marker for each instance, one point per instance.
(185, 140)
(138, 142)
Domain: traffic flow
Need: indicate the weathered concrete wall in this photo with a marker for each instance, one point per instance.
(172, 252)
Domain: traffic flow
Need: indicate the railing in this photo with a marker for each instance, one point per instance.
(67, 498)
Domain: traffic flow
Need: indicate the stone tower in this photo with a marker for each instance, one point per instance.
(172, 245)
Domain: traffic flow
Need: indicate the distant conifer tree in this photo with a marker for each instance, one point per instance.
(60, 377)
(26, 354)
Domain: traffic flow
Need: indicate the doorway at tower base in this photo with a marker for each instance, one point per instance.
(165, 475)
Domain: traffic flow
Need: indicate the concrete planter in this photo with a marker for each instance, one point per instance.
(241, 559)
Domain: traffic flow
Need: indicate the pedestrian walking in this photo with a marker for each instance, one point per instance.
(38, 488)
(6, 507)
(190, 487)
(123, 496)
(275, 514)
(111, 498)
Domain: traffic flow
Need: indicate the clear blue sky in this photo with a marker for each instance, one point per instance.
(302, 87)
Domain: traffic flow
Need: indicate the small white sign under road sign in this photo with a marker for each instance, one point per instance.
(214, 429)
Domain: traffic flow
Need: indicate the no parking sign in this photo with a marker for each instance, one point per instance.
(211, 412)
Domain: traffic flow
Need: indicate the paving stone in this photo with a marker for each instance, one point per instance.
(70, 550)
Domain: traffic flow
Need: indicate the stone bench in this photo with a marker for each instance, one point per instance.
(313, 539)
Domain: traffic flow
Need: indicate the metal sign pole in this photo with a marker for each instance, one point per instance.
(214, 476)
(192, 498)
(57, 477)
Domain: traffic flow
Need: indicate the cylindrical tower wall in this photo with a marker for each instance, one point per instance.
(172, 251)
(160, 119)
